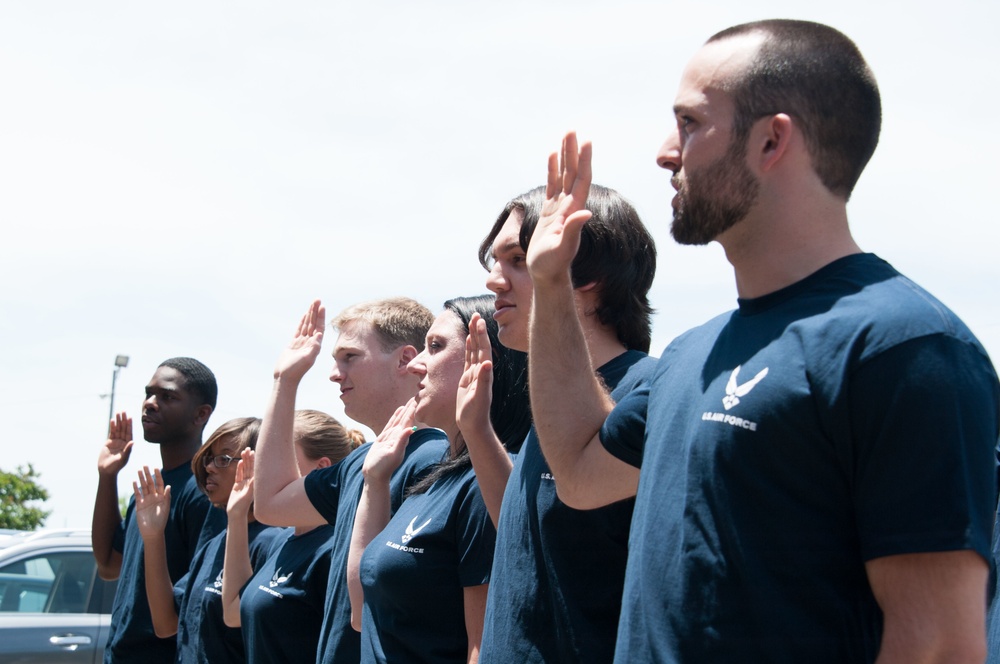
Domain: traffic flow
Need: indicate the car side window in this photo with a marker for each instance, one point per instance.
(47, 583)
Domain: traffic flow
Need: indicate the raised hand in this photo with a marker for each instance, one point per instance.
(116, 451)
(152, 503)
(386, 453)
(557, 236)
(241, 497)
(301, 353)
(475, 389)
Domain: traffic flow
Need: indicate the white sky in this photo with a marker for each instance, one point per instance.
(184, 178)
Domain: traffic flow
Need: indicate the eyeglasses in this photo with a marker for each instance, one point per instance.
(220, 460)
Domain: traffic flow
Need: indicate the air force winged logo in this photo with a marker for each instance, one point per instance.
(411, 532)
(218, 579)
(277, 578)
(735, 391)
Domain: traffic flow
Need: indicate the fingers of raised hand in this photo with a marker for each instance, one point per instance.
(392, 424)
(145, 480)
(483, 342)
(553, 184)
(402, 418)
(313, 321)
(121, 427)
(471, 341)
(151, 483)
(409, 415)
(568, 163)
(581, 182)
(484, 379)
(248, 459)
(318, 319)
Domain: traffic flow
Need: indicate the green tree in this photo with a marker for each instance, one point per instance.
(17, 489)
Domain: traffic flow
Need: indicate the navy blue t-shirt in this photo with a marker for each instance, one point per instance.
(415, 572)
(558, 572)
(846, 417)
(281, 606)
(192, 523)
(335, 492)
(202, 634)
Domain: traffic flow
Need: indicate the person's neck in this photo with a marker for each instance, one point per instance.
(602, 340)
(768, 254)
(603, 344)
(176, 454)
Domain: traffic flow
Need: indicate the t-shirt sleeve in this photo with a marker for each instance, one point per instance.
(624, 430)
(924, 426)
(476, 539)
(323, 490)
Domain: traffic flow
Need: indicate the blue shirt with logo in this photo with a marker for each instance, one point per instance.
(281, 606)
(558, 573)
(192, 523)
(846, 417)
(335, 492)
(202, 634)
(415, 572)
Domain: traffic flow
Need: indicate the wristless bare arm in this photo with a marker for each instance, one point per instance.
(569, 404)
(280, 497)
(107, 519)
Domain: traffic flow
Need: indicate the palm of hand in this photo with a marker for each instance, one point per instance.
(474, 399)
(551, 248)
(557, 236)
(152, 511)
(301, 353)
(387, 452)
(241, 497)
(115, 453)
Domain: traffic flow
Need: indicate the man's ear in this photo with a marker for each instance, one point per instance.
(588, 299)
(406, 355)
(201, 414)
(771, 138)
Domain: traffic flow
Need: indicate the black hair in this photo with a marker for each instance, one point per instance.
(817, 75)
(198, 379)
(510, 411)
(616, 252)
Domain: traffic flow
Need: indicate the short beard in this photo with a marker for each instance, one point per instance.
(716, 199)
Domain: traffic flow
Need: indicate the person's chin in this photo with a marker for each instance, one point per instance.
(513, 337)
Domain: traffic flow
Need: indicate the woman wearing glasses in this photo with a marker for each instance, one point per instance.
(192, 609)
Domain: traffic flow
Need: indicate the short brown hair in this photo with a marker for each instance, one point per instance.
(398, 321)
(817, 75)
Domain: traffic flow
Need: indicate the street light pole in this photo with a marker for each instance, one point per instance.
(120, 362)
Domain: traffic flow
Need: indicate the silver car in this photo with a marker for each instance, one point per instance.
(53, 606)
